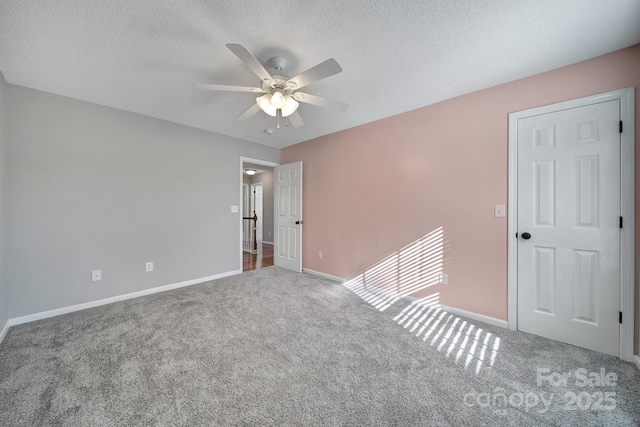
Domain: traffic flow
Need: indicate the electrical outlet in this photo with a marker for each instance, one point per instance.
(444, 279)
(234, 208)
(319, 254)
(96, 275)
(149, 266)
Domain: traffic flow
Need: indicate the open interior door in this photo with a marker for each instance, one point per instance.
(288, 216)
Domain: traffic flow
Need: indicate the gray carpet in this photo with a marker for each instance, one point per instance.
(271, 347)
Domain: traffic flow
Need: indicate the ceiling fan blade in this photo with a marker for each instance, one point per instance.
(230, 88)
(319, 72)
(249, 113)
(320, 101)
(295, 120)
(250, 61)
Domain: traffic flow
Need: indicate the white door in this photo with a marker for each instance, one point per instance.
(568, 217)
(288, 216)
(256, 191)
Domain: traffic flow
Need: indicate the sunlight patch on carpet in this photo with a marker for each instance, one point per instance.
(450, 334)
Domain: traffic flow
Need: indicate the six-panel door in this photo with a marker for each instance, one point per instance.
(569, 202)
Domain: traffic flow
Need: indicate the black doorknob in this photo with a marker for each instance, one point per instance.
(526, 236)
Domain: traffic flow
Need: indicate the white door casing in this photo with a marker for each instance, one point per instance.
(245, 200)
(571, 179)
(288, 216)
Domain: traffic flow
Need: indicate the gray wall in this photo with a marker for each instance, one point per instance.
(4, 292)
(93, 187)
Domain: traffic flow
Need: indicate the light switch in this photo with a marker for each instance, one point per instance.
(444, 279)
(234, 208)
(500, 211)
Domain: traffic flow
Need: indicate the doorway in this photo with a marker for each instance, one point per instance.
(257, 215)
(571, 222)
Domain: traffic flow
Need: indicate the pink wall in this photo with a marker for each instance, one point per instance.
(371, 190)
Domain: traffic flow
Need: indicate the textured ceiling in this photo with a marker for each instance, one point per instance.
(145, 55)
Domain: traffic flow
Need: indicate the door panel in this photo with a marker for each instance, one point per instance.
(587, 175)
(569, 201)
(585, 285)
(545, 182)
(545, 281)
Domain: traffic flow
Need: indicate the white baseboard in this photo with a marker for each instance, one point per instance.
(4, 330)
(456, 311)
(475, 316)
(636, 360)
(97, 303)
(326, 276)
(267, 243)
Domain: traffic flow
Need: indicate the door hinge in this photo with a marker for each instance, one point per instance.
(620, 126)
(620, 317)
(620, 222)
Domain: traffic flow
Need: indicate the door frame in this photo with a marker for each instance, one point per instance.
(627, 208)
(244, 160)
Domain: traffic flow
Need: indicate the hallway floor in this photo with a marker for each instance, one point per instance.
(264, 258)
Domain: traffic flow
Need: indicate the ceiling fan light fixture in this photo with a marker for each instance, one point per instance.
(271, 110)
(290, 106)
(264, 102)
(270, 103)
(277, 99)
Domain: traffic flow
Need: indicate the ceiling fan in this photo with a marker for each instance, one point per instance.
(281, 96)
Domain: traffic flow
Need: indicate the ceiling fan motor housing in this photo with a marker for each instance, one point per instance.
(280, 83)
